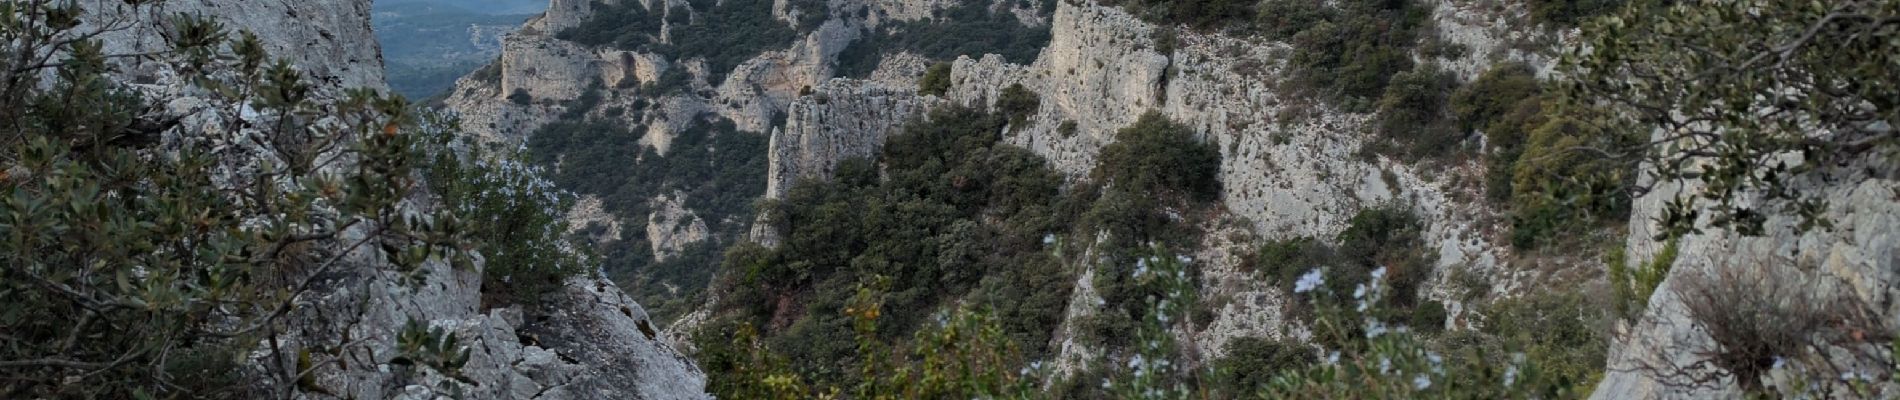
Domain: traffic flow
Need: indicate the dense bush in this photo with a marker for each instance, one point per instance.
(1017, 104)
(1351, 55)
(1199, 14)
(969, 28)
(1558, 188)
(1158, 155)
(514, 213)
(936, 80)
(1571, 12)
(1281, 19)
(1565, 331)
(1505, 103)
(1541, 346)
(1631, 285)
(954, 213)
(521, 97)
(1380, 244)
(151, 253)
(1251, 363)
(1412, 114)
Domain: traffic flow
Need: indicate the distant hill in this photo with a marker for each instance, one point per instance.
(490, 7)
(427, 44)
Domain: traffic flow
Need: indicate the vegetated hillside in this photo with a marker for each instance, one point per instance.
(659, 115)
(427, 45)
(1213, 198)
(216, 199)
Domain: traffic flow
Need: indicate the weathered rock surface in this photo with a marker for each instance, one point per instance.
(330, 42)
(1858, 258)
(672, 227)
(586, 341)
(1291, 167)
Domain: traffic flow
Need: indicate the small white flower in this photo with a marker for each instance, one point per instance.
(1359, 292)
(1049, 239)
(1378, 274)
(1385, 364)
(1333, 358)
(1420, 382)
(1374, 328)
(1510, 375)
(1308, 282)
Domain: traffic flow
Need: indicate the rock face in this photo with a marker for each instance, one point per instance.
(1290, 167)
(331, 41)
(589, 340)
(671, 226)
(841, 119)
(1858, 258)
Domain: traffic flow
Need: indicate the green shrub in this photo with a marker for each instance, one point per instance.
(1571, 12)
(1017, 104)
(146, 257)
(1563, 331)
(521, 97)
(516, 217)
(936, 80)
(1493, 95)
(1159, 155)
(1506, 103)
(1383, 240)
(1285, 260)
(1412, 113)
(1632, 285)
(1558, 188)
(1386, 237)
(1281, 19)
(945, 211)
(1543, 346)
(1251, 363)
(1429, 316)
(1199, 14)
(1351, 55)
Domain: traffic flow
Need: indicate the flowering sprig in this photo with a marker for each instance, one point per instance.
(1152, 372)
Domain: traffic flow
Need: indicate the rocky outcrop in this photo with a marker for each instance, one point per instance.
(590, 212)
(587, 340)
(330, 42)
(1290, 166)
(841, 119)
(1859, 257)
(672, 227)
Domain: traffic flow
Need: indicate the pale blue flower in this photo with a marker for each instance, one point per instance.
(1308, 282)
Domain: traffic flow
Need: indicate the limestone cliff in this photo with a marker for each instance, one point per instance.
(1662, 353)
(1290, 167)
(589, 340)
